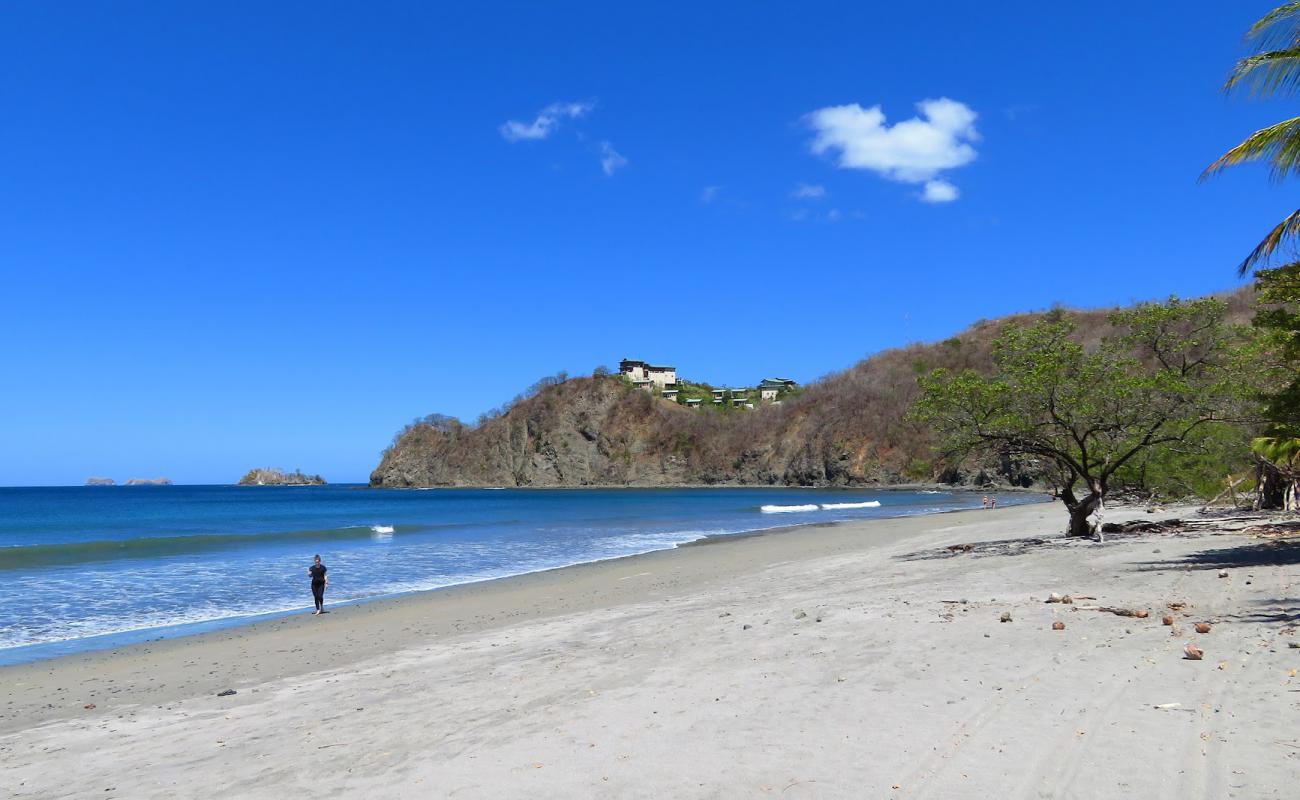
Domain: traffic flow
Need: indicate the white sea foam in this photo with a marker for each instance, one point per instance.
(382, 528)
(837, 506)
(772, 509)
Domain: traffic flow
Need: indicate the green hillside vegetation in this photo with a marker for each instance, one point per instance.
(851, 428)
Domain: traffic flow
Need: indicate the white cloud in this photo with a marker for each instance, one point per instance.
(939, 191)
(834, 215)
(548, 119)
(610, 159)
(806, 192)
(916, 150)
(709, 193)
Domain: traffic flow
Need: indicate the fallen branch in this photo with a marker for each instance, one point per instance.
(1140, 613)
(1142, 526)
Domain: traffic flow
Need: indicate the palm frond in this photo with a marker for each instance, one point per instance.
(1286, 230)
(1277, 144)
(1280, 450)
(1275, 71)
(1279, 26)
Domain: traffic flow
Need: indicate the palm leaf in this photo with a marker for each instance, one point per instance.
(1280, 450)
(1287, 229)
(1278, 26)
(1267, 73)
(1278, 144)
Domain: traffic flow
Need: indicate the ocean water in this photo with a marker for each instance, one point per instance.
(90, 567)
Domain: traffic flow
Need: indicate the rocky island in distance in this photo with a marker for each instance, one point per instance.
(268, 476)
(99, 481)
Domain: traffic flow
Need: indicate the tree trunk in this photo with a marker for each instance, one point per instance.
(1081, 510)
(1270, 486)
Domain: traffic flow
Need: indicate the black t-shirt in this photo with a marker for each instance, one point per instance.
(317, 573)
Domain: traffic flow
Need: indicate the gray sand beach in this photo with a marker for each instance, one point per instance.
(859, 660)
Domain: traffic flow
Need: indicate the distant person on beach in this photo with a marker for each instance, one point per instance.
(985, 503)
(318, 583)
(993, 501)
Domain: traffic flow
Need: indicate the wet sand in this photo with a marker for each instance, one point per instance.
(858, 660)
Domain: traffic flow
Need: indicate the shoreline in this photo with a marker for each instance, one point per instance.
(41, 652)
(500, 594)
(850, 660)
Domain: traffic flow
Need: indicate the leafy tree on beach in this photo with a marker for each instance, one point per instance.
(1082, 412)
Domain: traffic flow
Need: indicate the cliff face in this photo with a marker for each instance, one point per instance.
(600, 432)
(850, 428)
(586, 431)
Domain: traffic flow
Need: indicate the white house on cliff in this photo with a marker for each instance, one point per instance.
(648, 375)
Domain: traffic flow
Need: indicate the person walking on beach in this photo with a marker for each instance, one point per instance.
(985, 503)
(318, 583)
(993, 502)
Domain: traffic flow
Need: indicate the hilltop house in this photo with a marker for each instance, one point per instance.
(769, 388)
(648, 376)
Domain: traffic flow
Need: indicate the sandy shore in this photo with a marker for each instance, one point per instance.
(858, 660)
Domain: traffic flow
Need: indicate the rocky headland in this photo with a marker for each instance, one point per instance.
(850, 428)
(269, 476)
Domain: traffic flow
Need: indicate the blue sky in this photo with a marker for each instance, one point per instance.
(242, 234)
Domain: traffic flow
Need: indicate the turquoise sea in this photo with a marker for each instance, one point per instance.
(89, 567)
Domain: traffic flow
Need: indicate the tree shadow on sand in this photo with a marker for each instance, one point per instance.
(1027, 544)
(1283, 610)
(1277, 553)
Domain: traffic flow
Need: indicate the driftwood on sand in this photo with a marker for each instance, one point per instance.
(1140, 613)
